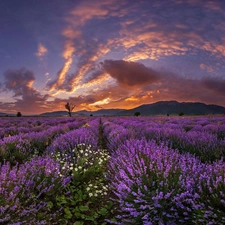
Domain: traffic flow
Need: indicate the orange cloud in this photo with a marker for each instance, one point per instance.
(68, 52)
(71, 33)
(42, 50)
(132, 98)
(206, 67)
(156, 44)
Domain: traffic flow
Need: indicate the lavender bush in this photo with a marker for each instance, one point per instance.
(157, 185)
(27, 191)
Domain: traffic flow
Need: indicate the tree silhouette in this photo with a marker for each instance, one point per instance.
(137, 113)
(69, 106)
(181, 114)
(19, 114)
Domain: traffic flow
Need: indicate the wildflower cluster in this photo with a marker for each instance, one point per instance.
(81, 158)
(87, 167)
(97, 190)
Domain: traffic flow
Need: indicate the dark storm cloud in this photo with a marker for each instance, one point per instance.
(217, 85)
(129, 73)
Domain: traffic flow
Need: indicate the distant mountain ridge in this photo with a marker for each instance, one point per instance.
(174, 108)
(158, 108)
(6, 114)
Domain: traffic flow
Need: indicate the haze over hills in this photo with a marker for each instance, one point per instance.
(158, 108)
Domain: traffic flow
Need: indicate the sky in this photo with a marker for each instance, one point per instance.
(110, 54)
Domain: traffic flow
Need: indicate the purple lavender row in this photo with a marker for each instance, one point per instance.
(87, 134)
(203, 124)
(156, 185)
(19, 148)
(115, 135)
(14, 126)
(208, 146)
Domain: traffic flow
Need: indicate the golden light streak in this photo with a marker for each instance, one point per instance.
(101, 102)
(69, 49)
(132, 98)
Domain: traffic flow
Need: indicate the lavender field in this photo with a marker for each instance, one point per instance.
(112, 170)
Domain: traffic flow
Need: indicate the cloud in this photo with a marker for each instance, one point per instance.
(206, 67)
(88, 10)
(42, 51)
(169, 86)
(90, 45)
(67, 54)
(129, 73)
(19, 81)
(26, 97)
(217, 85)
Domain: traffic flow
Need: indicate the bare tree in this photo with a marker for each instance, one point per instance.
(69, 106)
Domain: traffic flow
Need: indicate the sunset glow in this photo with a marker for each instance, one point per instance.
(110, 54)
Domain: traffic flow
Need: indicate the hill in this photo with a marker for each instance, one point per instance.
(2, 114)
(174, 107)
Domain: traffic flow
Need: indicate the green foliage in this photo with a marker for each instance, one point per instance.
(15, 152)
(102, 142)
(212, 196)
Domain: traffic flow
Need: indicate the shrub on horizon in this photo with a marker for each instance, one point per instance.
(137, 113)
(19, 114)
